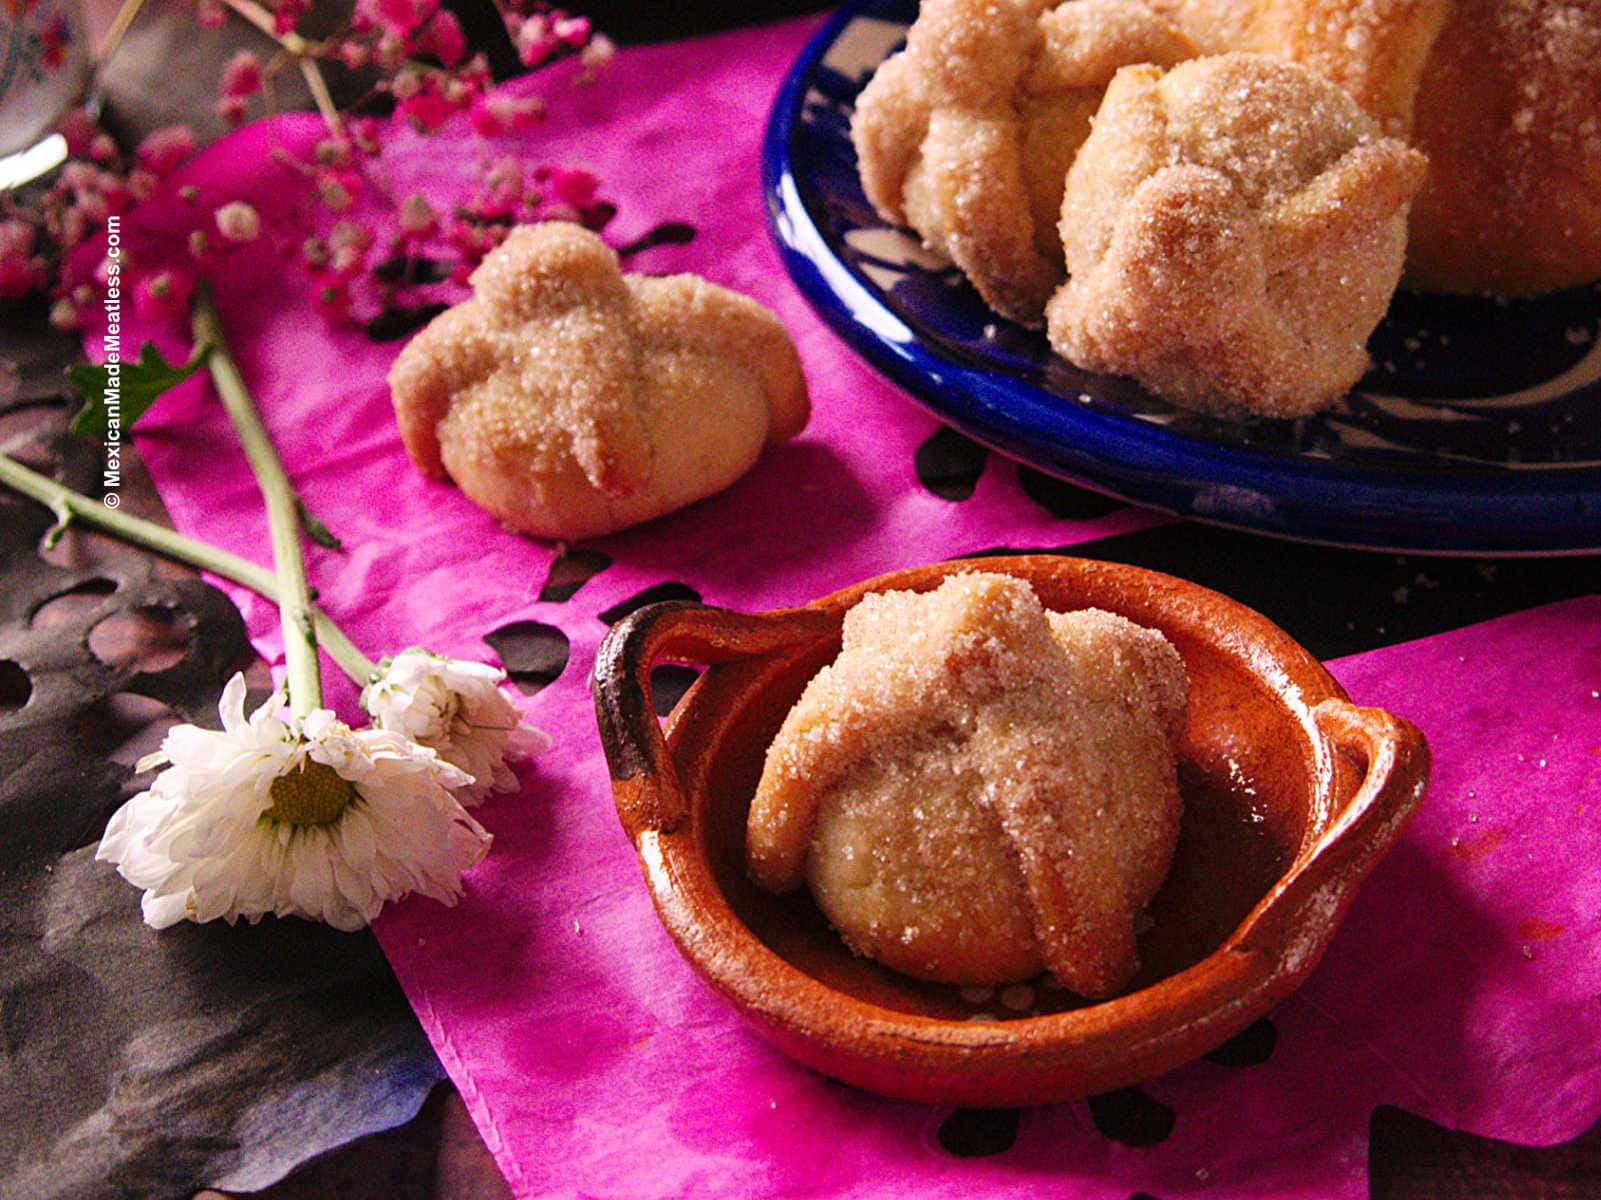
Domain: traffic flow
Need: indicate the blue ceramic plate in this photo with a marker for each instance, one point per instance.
(1477, 432)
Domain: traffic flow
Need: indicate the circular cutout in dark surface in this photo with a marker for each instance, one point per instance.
(949, 464)
(571, 570)
(1065, 500)
(979, 1132)
(669, 590)
(69, 606)
(15, 686)
(1250, 1047)
(533, 653)
(149, 638)
(1132, 1118)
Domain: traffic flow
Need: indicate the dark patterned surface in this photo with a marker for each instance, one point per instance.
(122, 1050)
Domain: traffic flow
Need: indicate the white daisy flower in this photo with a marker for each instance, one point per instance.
(322, 821)
(457, 708)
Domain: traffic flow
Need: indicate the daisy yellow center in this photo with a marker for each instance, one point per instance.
(314, 795)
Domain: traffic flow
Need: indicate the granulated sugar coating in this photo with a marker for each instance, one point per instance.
(967, 134)
(1374, 49)
(1502, 96)
(976, 790)
(570, 400)
(1509, 113)
(1233, 231)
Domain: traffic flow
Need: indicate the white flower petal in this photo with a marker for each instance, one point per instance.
(200, 844)
(459, 709)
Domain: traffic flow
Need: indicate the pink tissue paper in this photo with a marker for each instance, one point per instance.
(1463, 987)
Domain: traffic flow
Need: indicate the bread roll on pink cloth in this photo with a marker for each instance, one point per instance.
(570, 400)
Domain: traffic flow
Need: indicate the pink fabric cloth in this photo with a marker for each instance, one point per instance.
(1462, 988)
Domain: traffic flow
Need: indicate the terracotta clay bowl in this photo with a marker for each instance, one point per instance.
(1292, 794)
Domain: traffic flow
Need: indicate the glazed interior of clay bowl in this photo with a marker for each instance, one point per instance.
(1287, 806)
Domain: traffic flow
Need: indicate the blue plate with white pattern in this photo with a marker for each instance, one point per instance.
(1478, 430)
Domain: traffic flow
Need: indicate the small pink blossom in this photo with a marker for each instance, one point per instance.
(164, 294)
(395, 17)
(231, 109)
(165, 150)
(459, 93)
(210, 14)
(337, 189)
(498, 113)
(332, 152)
(442, 38)
(314, 253)
(242, 76)
(238, 222)
(65, 315)
(502, 189)
(417, 216)
(346, 263)
(102, 148)
(405, 84)
(535, 40)
(572, 32)
(287, 15)
(475, 71)
(426, 111)
(390, 51)
(599, 53)
(142, 183)
(573, 188)
(20, 272)
(350, 233)
(354, 55)
(74, 227)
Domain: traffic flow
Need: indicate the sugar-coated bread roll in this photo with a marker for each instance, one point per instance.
(1502, 96)
(977, 791)
(967, 134)
(1508, 111)
(569, 400)
(1234, 230)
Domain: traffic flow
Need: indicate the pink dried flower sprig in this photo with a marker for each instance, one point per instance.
(421, 53)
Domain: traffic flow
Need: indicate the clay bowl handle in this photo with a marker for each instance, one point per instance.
(644, 781)
(1397, 769)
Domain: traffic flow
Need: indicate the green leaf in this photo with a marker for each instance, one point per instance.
(315, 529)
(136, 386)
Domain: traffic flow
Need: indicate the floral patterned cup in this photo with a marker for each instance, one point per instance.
(45, 65)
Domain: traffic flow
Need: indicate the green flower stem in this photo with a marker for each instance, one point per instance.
(283, 517)
(70, 506)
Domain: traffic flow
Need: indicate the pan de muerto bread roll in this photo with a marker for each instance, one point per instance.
(570, 400)
(976, 790)
(967, 134)
(1233, 230)
(1502, 96)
